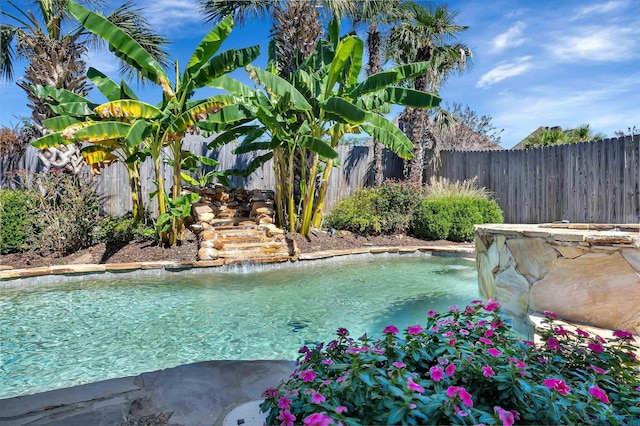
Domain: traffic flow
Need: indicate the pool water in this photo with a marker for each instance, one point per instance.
(60, 336)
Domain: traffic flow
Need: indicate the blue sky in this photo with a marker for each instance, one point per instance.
(536, 63)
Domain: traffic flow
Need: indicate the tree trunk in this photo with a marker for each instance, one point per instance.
(373, 46)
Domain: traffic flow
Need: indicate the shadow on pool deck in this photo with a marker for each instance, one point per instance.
(196, 394)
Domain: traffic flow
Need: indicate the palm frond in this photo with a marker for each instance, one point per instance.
(7, 54)
(241, 10)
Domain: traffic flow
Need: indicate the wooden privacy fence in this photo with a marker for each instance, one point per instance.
(596, 182)
(113, 184)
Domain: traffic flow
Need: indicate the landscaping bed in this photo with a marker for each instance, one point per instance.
(147, 251)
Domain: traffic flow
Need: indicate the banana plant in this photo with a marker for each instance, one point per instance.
(80, 114)
(178, 112)
(309, 113)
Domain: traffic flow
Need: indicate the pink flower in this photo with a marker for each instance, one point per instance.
(390, 329)
(599, 393)
(443, 360)
(270, 393)
(553, 343)
(528, 342)
(435, 373)
(452, 342)
(307, 375)
(318, 398)
(448, 334)
(451, 368)
(378, 351)
(284, 402)
(318, 419)
(465, 397)
(491, 305)
(286, 417)
(582, 333)
(415, 329)
(487, 371)
(432, 313)
(399, 364)
(557, 385)
(454, 308)
(452, 391)
(412, 406)
(597, 369)
(550, 314)
(458, 411)
(327, 361)
(507, 417)
(596, 347)
(519, 364)
(485, 341)
(341, 409)
(561, 331)
(326, 382)
(414, 386)
(488, 333)
(623, 334)
(464, 332)
(493, 352)
(340, 379)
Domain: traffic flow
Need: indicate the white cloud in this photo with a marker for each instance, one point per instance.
(600, 8)
(167, 15)
(511, 38)
(505, 70)
(596, 44)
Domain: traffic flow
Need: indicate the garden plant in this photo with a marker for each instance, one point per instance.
(465, 366)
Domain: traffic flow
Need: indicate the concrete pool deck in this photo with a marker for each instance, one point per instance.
(193, 394)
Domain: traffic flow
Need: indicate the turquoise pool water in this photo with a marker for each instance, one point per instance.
(59, 336)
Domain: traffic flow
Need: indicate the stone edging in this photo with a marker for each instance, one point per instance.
(17, 277)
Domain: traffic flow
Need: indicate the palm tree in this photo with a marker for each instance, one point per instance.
(374, 14)
(55, 56)
(584, 133)
(427, 33)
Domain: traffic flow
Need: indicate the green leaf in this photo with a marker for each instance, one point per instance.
(76, 109)
(105, 85)
(126, 92)
(251, 147)
(319, 146)
(127, 108)
(59, 123)
(189, 179)
(349, 49)
(334, 32)
(210, 44)
(345, 109)
(365, 378)
(389, 135)
(388, 77)
(251, 167)
(51, 140)
(410, 97)
(232, 135)
(231, 85)
(396, 415)
(122, 44)
(200, 112)
(224, 63)
(58, 95)
(94, 154)
(103, 131)
(138, 132)
(277, 86)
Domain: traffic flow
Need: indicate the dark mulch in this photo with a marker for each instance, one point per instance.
(148, 251)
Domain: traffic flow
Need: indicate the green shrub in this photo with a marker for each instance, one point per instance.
(434, 219)
(397, 203)
(490, 211)
(452, 218)
(16, 222)
(122, 229)
(357, 213)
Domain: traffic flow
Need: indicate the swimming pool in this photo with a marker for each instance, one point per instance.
(59, 336)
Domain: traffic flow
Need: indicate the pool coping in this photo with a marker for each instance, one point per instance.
(18, 277)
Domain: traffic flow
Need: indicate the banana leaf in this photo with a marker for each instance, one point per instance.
(277, 86)
(209, 45)
(102, 132)
(385, 78)
(57, 124)
(122, 44)
(128, 108)
(104, 84)
(51, 140)
(223, 63)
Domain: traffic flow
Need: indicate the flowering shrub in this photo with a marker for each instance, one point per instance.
(462, 367)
